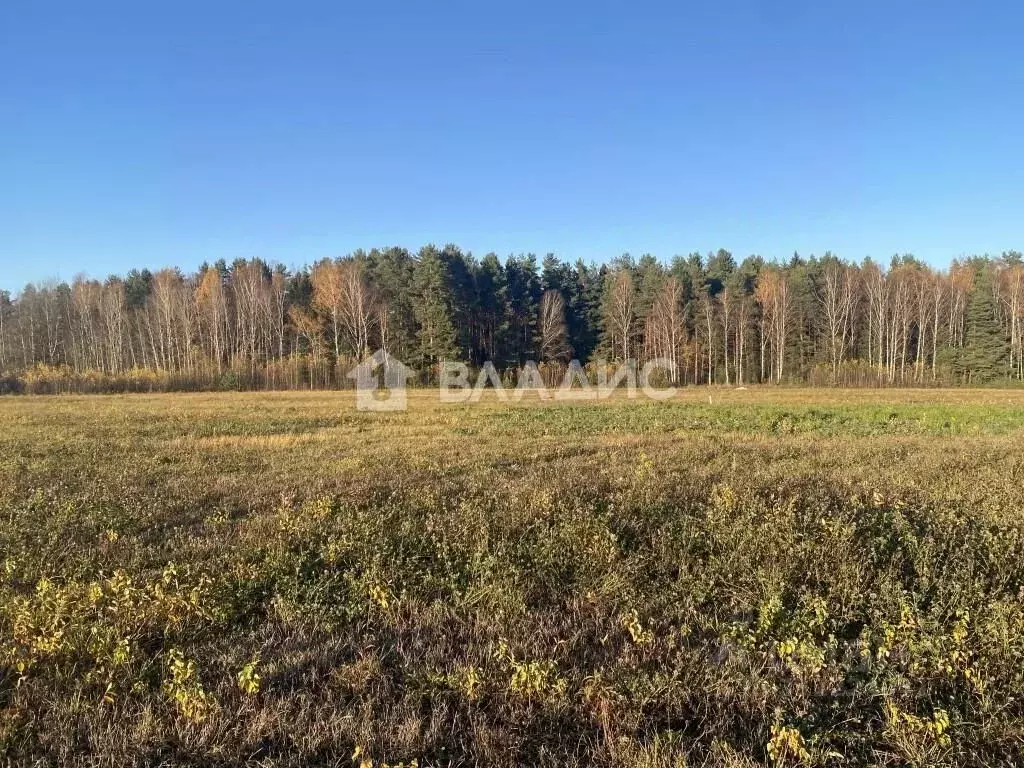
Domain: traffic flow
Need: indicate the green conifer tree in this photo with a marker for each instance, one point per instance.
(985, 355)
(435, 337)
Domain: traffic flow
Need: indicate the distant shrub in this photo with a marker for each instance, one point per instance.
(10, 385)
(229, 380)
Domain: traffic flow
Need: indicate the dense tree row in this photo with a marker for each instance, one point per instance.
(818, 320)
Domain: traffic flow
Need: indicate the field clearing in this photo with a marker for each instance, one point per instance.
(731, 578)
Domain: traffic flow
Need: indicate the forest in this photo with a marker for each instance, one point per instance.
(257, 325)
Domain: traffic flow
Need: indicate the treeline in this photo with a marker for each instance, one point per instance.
(250, 324)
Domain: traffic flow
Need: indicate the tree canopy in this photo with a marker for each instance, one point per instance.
(720, 319)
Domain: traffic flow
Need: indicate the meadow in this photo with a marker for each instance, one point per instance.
(769, 576)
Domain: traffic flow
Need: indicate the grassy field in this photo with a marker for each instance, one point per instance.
(731, 578)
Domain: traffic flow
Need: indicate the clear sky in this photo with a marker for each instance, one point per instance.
(158, 133)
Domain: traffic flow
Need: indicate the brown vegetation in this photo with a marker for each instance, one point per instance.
(775, 577)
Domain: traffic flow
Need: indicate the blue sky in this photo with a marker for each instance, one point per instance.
(150, 134)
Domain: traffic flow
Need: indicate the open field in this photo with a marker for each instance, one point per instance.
(731, 578)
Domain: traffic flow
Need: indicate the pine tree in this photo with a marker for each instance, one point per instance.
(585, 320)
(391, 272)
(650, 280)
(555, 275)
(985, 354)
(459, 268)
(523, 291)
(491, 309)
(435, 337)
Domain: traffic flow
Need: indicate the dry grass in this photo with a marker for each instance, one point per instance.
(736, 577)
